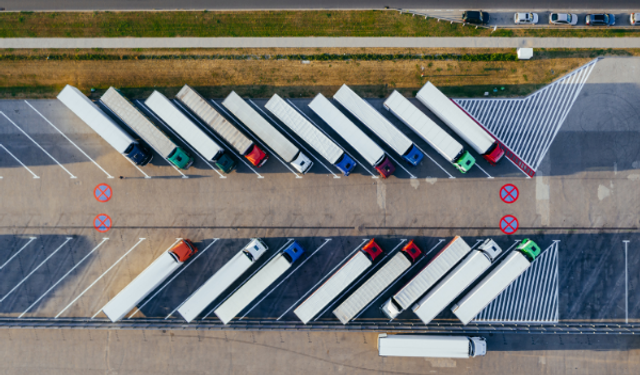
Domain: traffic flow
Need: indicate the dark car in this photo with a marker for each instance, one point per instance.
(600, 20)
(471, 16)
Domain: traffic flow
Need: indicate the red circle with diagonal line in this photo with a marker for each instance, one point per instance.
(102, 223)
(509, 224)
(509, 193)
(102, 193)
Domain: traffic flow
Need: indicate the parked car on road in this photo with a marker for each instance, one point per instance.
(634, 19)
(479, 18)
(563, 19)
(600, 20)
(526, 18)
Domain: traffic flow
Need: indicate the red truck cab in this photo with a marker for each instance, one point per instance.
(183, 250)
(256, 156)
(385, 168)
(412, 250)
(494, 154)
(372, 249)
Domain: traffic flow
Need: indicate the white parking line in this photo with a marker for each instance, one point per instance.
(180, 138)
(13, 156)
(134, 164)
(325, 277)
(289, 240)
(174, 276)
(626, 283)
(35, 269)
(98, 279)
(206, 127)
(355, 282)
(286, 165)
(293, 139)
(326, 241)
(401, 166)
(398, 279)
(31, 239)
(434, 162)
(485, 172)
(70, 141)
(334, 141)
(149, 144)
(40, 147)
(62, 278)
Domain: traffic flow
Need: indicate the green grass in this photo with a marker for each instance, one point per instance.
(257, 24)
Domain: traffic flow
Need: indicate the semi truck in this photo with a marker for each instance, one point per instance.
(460, 122)
(269, 134)
(437, 267)
(310, 134)
(338, 282)
(189, 131)
(377, 283)
(431, 346)
(498, 280)
(257, 284)
(222, 279)
(378, 124)
(148, 280)
(240, 142)
(120, 106)
(429, 131)
(102, 124)
(372, 153)
(456, 281)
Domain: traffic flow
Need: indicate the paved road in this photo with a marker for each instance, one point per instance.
(319, 4)
(319, 42)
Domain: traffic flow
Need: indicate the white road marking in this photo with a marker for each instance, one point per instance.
(326, 241)
(239, 123)
(335, 300)
(18, 160)
(324, 278)
(35, 269)
(18, 252)
(40, 147)
(70, 141)
(434, 162)
(626, 283)
(485, 172)
(292, 139)
(289, 240)
(98, 279)
(180, 138)
(334, 141)
(174, 276)
(206, 127)
(150, 145)
(62, 278)
(134, 164)
(398, 279)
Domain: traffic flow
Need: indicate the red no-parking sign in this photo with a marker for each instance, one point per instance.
(509, 224)
(102, 223)
(102, 193)
(509, 193)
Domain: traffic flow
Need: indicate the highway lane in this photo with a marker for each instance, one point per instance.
(13, 5)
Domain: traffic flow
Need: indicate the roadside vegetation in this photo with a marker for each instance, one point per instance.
(372, 72)
(259, 24)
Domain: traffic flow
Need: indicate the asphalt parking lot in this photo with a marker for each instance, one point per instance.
(585, 195)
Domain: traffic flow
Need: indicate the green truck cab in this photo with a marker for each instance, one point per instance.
(529, 248)
(464, 162)
(180, 158)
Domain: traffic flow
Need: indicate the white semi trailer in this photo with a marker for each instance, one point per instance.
(148, 280)
(498, 280)
(465, 273)
(378, 124)
(460, 122)
(102, 124)
(377, 283)
(338, 282)
(265, 131)
(192, 134)
(222, 279)
(119, 105)
(258, 283)
(372, 153)
(441, 263)
(428, 130)
(431, 346)
(205, 111)
(310, 134)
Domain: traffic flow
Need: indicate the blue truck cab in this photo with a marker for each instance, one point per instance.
(293, 252)
(414, 156)
(345, 164)
(139, 154)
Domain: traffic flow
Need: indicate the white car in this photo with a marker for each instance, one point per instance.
(634, 19)
(563, 19)
(525, 18)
